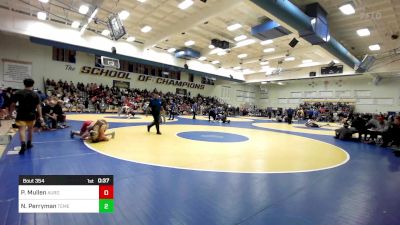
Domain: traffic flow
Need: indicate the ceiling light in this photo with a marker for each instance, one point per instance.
(123, 15)
(269, 50)
(244, 43)
(265, 68)
(307, 61)
(44, 1)
(240, 38)
(241, 56)
(42, 15)
(105, 32)
(215, 62)
(328, 38)
(309, 64)
(75, 24)
(313, 21)
(263, 82)
(146, 29)
(363, 32)
(83, 9)
(290, 58)
(248, 71)
(264, 63)
(347, 9)
(234, 27)
(202, 58)
(271, 70)
(375, 47)
(189, 43)
(266, 42)
(237, 68)
(141, 1)
(130, 39)
(185, 4)
(215, 51)
(171, 50)
(211, 46)
(221, 53)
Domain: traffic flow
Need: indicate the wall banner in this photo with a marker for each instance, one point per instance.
(16, 71)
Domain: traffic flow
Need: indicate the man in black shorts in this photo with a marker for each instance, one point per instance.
(28, 103)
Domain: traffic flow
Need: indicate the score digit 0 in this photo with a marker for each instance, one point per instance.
(106, 192)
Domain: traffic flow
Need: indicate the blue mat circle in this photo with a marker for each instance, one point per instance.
(211, 136)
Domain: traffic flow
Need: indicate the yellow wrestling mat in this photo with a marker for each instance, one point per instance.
(228, 149)
(301, 128)
(113, 117)
(233, 119)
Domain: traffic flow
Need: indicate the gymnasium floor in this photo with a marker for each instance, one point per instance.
(251, 171)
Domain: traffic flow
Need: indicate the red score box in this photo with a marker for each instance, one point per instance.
(106, 192)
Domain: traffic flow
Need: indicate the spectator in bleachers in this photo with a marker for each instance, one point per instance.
(61, 117)
(344, 133)
(359, 124)
(50, 118)
(5, 107)
(172, 110)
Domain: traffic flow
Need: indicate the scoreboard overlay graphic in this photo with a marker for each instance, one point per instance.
(66, 194)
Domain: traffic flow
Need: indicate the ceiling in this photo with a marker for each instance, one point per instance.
(172, 27)
(381, 17)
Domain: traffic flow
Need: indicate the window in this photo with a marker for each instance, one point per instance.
(97, 61)
(130, 67)
(64, 55)
(175, 75)
(159, 72)
(191, 77)
(124, 65)
(153, 71)
(206, 80)
(139, 68)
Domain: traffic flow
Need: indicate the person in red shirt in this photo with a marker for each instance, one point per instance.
(94, 131)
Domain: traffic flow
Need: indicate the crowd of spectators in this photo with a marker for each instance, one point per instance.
(381, 129)
(318, 111)
(64, 96)
(100, 98)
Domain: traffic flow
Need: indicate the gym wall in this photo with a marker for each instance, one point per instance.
(19, 48)
(368, 95)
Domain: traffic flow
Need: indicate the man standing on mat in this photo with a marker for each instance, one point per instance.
(28, 104)
(155, 106)
(290, 113)
(194, 109)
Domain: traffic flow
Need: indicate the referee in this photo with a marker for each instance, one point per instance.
(28, 104)
(155, 106)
